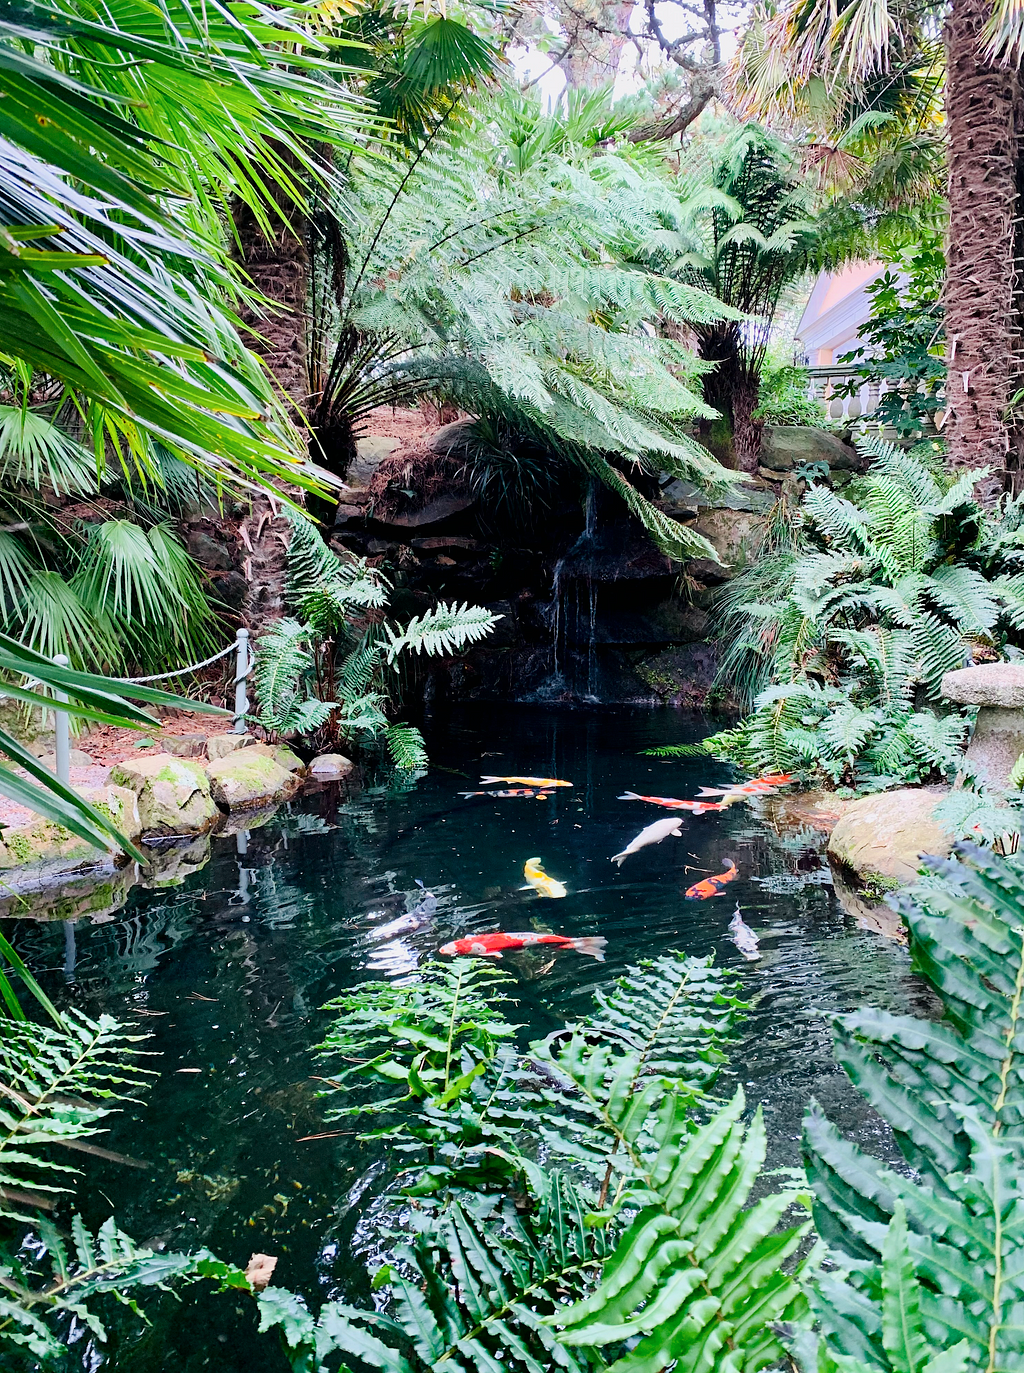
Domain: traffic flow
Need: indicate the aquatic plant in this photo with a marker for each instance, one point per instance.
(326, 673)
(58, 1084)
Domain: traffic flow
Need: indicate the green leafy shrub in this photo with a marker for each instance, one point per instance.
(782, 398)
(840, 635)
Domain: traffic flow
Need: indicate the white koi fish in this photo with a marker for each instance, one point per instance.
(653, 834)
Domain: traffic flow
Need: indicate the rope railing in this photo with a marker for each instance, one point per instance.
(244, 661)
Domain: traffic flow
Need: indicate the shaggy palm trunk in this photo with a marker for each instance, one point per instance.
(278, 266)
(733, 391)
(985, 121)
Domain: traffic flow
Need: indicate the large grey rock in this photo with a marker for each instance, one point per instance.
(173, 794)
(220, 745)
(880, 838)
(998, 739)
(735, 535)
(785, 446)
(370, 453)
(250, 778)
(76, 759)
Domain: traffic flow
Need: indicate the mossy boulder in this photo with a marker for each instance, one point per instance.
(97, 896)
(881, 838)
(250, 778)
(283, 756)
(173, 794)
(42, 844)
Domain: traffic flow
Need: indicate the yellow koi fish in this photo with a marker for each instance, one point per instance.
(538, 880)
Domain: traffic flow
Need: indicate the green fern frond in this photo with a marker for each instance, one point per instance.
(445, 629)
(405, 746)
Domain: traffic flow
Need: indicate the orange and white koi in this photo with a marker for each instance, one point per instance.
(512, 791)
(670, 802)
(541, 783)
(494, 945)
(712, 886)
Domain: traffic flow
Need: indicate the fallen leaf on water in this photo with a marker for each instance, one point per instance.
(259, 1270)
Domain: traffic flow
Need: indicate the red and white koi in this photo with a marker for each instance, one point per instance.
(494, 945)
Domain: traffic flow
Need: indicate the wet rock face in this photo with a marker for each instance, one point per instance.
(330, 766)
(880, 838)
(173, 794)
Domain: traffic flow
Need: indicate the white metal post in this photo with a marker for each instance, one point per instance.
(241, 669)
(61, 729)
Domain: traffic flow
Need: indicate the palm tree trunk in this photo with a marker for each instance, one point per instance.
(985, 349)
(277, 264)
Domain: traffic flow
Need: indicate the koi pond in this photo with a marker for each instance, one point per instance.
(228, 971)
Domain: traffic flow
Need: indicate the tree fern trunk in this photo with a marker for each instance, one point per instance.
(732, 389)
(278, 267)
(985, 120)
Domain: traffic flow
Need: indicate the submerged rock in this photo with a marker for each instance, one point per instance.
(880, 839)
(173, 794)
(250, 777)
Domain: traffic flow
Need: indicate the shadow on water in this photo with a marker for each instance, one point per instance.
(228, 971)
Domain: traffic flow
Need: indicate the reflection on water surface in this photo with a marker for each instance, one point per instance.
(228, 971)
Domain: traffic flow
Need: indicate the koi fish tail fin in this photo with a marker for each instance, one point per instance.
(593, 945)
(485, 781)
(468, 793)
(419, 883)
(711, 791)
(620, 858)
(630, 796)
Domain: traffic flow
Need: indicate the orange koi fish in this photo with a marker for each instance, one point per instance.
(712, 886)
(670, 803)
(541, 783)
(493, 945)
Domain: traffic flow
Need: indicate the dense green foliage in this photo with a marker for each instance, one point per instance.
(841, 632)
(125, 133)
(905, 341)
(951, 1089)
(679, 1270)
(325, 674)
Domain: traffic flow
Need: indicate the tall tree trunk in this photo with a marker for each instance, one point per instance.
(735, 439)
(985, 348)
(278, 266)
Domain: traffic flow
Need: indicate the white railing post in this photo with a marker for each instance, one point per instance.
(61, 729)
(241, 672)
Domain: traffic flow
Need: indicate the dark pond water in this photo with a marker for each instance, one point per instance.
(228, 973)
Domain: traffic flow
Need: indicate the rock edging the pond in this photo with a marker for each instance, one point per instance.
(880, 839)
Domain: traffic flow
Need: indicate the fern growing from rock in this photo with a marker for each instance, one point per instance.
(840, 638)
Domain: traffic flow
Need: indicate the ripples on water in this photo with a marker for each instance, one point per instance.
(228, 971)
